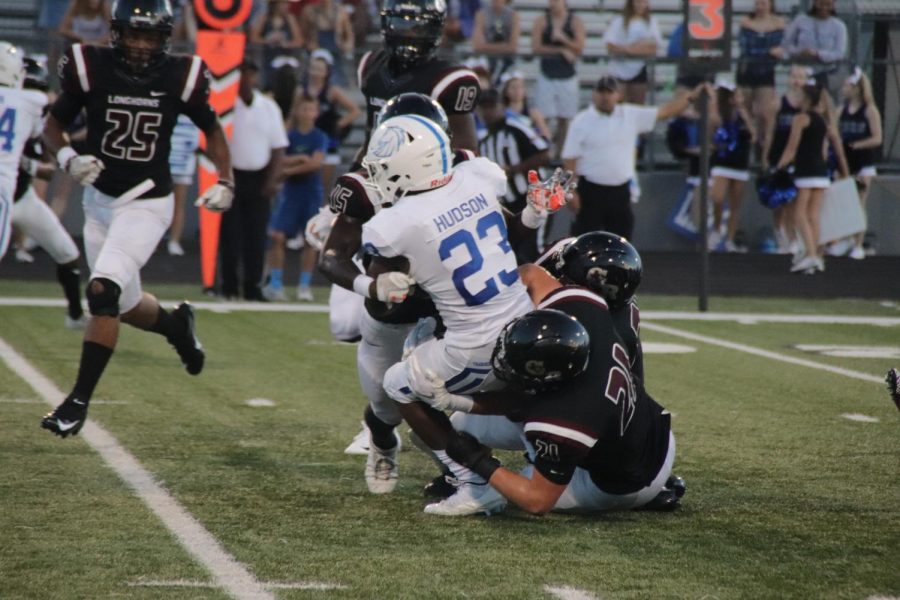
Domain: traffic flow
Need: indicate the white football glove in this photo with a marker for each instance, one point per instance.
(319, 228)
(432, 390)
(393, 286)
(218, 197)
(84, 168)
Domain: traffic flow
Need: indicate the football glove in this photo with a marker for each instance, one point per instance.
(465, 449)
(893, 384)
(546, 197)
(217, 197)
(84, 168)
(432, 390)
(393, 286)
(319, 228)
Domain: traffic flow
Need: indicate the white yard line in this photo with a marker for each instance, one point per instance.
(760, 352)
(271, 585)
(569, 593)
(651, 315)
(226, 571)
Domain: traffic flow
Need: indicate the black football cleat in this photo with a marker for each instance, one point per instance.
(668, 499)
(189, 348)
(66, 419)
(676, 484)
(443, 486)
(892, 379)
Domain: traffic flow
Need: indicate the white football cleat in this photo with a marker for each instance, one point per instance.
(274, 294)
(304, 294)
(469, 499)
(360, 443)
(77, 324)
(382, 471)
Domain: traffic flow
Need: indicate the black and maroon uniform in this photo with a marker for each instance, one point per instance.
(603, 421)
(454, 87)
(131, 115)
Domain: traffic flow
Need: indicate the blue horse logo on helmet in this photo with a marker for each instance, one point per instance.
(390, 142)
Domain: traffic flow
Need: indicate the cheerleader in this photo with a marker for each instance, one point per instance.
(733, 139)
(806, 150)
(774, 143)
(860, 127)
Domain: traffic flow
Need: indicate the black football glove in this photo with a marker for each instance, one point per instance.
(893, 384)
(465, 449)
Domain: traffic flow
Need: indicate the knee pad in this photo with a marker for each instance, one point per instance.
(103, 297)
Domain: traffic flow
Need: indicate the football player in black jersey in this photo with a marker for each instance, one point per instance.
(412, 30)
(132, 93)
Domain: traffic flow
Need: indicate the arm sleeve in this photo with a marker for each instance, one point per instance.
(378, 241)
(555, 457)
(277, 134)
(350, 197)
(457, 92)
(613, 33)
(195, 96)
(74, 84)
(572, 146)
(790, 37)
(643, 117)
(654, 32)
(840, 43)
(321, 143)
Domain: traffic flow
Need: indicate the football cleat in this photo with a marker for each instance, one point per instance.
(893, 384)
(382, 471)
(668, 499)
(66, 419)
(469, 499)
(77, 324)
(189, 348)
(360, 443)
(442, 486)
(304, 294)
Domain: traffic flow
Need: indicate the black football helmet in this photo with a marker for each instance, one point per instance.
(413, 103)
(36, 77)
(541, 350)
(604, 263)
(412, 29)
(154, 19)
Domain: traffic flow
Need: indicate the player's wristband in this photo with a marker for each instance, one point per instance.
(531, 218)
(65, 154)
(227, 183)
(361, 285)
(460, 403)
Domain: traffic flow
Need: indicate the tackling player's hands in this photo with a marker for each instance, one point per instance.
(393, 286)
(84, 168)
(218, 197)
(431, 389)
(893, 384)
(465, 449)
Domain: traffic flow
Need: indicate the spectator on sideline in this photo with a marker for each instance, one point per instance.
(760, 40)
(335, 123)
(257, 150)
(558, 38)
(460, 20)
(630, 39)
(512, 87)
(806, 150)
(280, 36)
(600, 150)
(730, 160)
(496, 35)
(860, 127)
(300, 198)
(517, 148)
(86, 22)
(818, 38)
(326, 25)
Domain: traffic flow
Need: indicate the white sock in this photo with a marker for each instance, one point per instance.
(463, 474)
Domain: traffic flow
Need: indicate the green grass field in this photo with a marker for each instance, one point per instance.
(786, 498)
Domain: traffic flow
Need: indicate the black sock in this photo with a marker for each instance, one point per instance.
(167, 325)
(382, 433)
(69, 276)
(94, 358)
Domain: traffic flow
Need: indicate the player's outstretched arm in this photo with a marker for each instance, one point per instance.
(462, 130)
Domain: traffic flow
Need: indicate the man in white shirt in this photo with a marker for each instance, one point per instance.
(600, 149)
(257, 148)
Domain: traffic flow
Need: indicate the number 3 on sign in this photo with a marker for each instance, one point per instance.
(712, 25)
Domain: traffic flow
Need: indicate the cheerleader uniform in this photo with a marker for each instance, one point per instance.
(732, 156)
(782, 132)
(810, 168)
(855, 127)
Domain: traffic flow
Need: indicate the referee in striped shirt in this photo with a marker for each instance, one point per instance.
(513, 144)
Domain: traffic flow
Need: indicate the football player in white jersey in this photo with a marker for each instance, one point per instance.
(20, 120)
(445, 232)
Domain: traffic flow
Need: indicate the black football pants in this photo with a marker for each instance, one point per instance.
(604, 208)
(242, 237)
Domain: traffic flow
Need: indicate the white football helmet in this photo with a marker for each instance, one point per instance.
(12, 66)
(408, 153)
